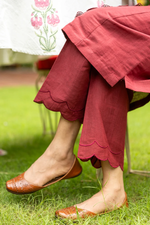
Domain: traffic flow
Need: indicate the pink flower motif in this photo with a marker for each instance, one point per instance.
(36, 22)
(53, 20)
(100, 3)
(42, 4)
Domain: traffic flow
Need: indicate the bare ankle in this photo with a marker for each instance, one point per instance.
(59, 152)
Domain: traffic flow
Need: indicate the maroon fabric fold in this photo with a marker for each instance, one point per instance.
(116, 41)
(78, 91)
(66, 86)
(104, 124)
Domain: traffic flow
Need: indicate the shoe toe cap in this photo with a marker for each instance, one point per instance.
(10, 186)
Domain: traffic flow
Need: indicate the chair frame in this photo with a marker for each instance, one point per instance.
(45, 113)
(99, 174)
(127, 146)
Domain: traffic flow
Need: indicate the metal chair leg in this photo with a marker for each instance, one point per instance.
(128, 150)
(138, 172)
(45, 114)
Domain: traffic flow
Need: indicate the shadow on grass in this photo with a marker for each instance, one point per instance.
(40, 207)
(22, 152)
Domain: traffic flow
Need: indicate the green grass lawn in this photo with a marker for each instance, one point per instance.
(21, 135)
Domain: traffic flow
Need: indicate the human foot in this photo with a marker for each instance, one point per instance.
(105, 200)
(19, 185)
(96, 205)
(53, 163)
(58, 162)
(58, 157)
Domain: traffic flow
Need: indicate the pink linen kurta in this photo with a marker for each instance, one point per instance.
(108, 54)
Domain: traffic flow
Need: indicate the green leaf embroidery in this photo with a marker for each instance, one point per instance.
(47, 34)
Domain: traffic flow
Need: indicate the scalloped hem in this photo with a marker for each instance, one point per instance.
(96, 162)
(98, 153)
(104, 147)
(45, 97)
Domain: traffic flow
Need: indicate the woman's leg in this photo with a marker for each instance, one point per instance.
(66, 86)
(104, 124)
(64, 90)
(102, 141)
(106, 109)
(58, 157)
(112, 194)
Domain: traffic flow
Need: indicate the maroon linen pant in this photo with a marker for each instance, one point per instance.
(77, 90)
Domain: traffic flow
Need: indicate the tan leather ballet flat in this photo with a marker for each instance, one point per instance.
(19, 185)
(75, 213)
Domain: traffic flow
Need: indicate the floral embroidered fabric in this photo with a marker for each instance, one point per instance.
(34, 26)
